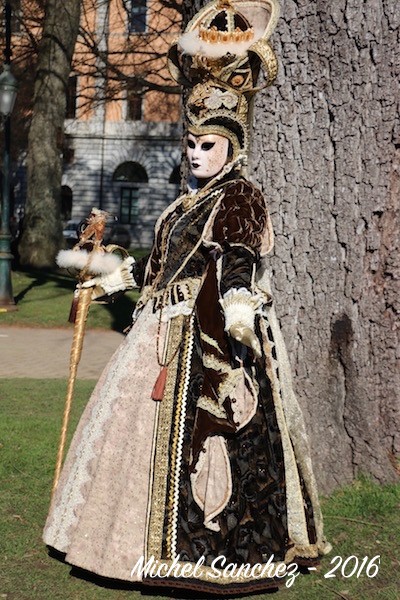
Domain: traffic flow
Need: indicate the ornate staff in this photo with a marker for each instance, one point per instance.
(101, 273)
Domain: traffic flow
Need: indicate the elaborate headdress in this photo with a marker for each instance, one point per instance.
(219, 56)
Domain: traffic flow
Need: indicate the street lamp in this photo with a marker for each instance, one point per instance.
(8, 92)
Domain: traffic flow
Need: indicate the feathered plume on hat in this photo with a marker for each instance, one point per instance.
(219, 56)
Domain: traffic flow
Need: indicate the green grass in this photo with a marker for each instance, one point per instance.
(44, 300)
(361, 520)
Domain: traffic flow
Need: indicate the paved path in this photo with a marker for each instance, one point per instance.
(44, 353)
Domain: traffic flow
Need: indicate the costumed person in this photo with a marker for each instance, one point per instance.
(190, 466)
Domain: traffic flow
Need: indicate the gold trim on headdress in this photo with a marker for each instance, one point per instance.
(220, 55)
(213, 108)
(229, 26)
(237, 36)
(225, 25)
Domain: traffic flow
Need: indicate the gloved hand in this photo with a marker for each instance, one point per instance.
(119, 280)
(245, 335)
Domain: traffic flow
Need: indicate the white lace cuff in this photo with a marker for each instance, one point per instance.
(119, 280)
(240, 306)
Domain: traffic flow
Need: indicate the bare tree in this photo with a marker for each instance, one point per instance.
(41, 238)
(138, 60)
(134, 60)
(108, 61)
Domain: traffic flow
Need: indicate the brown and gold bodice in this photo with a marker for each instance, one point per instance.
(233, 214)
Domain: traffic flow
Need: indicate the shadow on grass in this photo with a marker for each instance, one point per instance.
(120, 309)
(40, 278)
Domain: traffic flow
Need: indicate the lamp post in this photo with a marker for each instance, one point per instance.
(8, 92)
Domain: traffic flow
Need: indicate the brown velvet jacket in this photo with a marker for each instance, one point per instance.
(217, 240)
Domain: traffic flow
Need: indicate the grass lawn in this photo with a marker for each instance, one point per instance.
(44, 299)
(362, 520)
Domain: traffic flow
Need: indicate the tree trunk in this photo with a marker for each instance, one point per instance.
(327, 160)
(42, 236)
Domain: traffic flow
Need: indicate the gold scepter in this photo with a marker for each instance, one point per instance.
(90, 257)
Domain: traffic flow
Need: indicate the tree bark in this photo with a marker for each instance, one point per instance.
(42, 236)
(328, 162)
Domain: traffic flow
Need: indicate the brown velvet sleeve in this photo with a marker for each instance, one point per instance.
(239, 228)
(242, 218)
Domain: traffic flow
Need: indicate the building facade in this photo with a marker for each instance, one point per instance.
(129, 169)
(122, 136)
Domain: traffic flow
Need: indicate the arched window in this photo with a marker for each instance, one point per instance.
(175, 176)
(129, 174)
(132, 172)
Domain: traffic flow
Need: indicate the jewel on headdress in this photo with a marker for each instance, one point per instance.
(219, 98)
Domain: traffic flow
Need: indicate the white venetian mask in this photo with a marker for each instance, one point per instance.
(207, 154)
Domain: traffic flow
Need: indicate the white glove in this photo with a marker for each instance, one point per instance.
(240, 307)
(119, 280)
(246, 336)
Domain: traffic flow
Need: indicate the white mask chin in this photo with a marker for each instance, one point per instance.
(207, 154)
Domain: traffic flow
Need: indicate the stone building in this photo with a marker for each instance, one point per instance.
(130, 169)
(122, 140)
